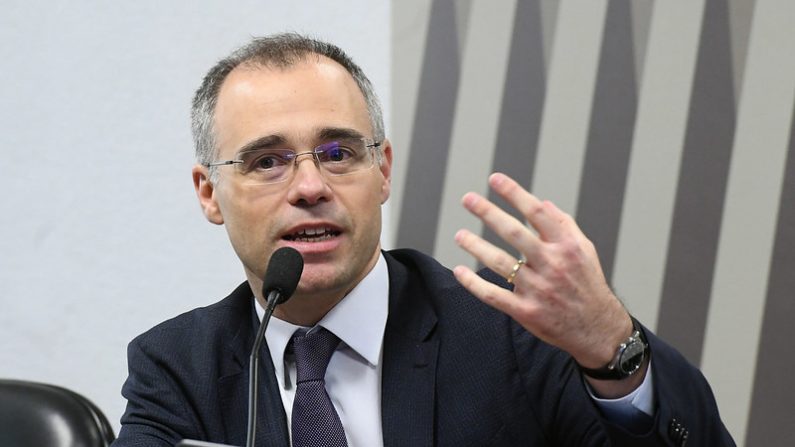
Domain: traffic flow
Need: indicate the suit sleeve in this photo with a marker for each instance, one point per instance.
(157, 413)
(686, 411)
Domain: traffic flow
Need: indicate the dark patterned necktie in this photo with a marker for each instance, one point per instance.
(315, 421)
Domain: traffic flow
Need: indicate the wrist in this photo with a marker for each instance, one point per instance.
(617, 389)
(628, 357)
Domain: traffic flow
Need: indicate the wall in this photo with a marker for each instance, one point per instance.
(665, 127)
(102, 233)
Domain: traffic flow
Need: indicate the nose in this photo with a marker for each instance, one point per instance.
(308, 185)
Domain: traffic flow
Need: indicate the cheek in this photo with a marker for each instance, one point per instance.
(244, 206)
(369, 215)
(248, 220)
(252, 243)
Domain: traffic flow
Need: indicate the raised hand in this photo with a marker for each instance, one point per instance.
(560, 292)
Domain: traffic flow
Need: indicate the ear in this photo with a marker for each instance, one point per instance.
(205, 191)
(386, 170)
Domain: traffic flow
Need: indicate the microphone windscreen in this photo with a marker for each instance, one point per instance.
(283, 274)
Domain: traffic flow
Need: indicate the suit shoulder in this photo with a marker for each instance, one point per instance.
(200, 324)
(415, 264)
(417, 280)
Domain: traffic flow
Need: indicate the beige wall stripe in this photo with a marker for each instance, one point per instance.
(663, 101)
(483, 67)
(567, 109)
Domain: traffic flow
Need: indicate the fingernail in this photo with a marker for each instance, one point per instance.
(469, 199)
(497, 178)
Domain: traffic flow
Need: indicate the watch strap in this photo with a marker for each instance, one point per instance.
(634, 345)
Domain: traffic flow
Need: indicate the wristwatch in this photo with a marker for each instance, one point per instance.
(628, 359)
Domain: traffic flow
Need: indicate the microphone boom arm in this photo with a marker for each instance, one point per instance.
(253, 368)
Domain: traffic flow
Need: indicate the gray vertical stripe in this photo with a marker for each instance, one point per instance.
(700, 194)
(641, 24)
(772, 418)
(522, 106)
(430, 141)
(549, 19)
(741, 13)
(462, 8)
(409, 32)
(610, 136)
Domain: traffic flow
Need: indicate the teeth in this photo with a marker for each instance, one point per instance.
(313, 235)
(312, 231)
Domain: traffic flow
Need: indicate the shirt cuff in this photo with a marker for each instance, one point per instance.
(642, 398)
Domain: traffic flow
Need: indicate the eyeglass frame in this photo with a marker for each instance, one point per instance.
(370, 145)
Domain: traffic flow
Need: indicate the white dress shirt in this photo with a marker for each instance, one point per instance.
(353, 377)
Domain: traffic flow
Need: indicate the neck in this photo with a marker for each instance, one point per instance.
(305, 310)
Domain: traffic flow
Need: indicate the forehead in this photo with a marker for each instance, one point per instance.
(294, 102)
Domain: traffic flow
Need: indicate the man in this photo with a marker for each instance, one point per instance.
(292, 153)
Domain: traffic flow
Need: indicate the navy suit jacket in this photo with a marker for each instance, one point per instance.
(455, 373)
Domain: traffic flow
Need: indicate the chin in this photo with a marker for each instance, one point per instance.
(324, 281)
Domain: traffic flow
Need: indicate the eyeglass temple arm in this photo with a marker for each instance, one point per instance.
(222, 163)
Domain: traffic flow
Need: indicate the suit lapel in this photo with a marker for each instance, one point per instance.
(233, 383)
(409, 371)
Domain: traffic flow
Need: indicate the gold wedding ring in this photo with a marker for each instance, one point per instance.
(516, 267)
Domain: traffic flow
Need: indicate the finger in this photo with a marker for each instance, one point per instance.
(546, 218)
(507, 227)
(491, 294)
(489, 255)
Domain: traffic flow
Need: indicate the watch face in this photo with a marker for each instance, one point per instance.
(632, 357)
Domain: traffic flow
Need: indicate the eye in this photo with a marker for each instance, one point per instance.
(265, 160)
(339, 153)
(335, 152)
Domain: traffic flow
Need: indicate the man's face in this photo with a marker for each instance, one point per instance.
(334, 222)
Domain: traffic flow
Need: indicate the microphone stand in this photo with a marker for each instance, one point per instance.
(253, 367)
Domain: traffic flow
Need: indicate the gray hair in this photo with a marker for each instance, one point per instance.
(277, 51)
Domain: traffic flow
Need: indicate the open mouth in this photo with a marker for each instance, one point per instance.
(312, 235)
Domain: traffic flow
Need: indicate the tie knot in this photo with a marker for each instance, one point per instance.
(313, 352)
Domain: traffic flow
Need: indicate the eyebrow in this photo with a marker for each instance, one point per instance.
(267, 141)
(279, 141)
(341, 133)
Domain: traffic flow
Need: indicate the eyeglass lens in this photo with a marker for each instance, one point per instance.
(262, 166)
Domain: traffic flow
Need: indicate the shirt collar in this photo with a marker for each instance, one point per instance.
(358, 319)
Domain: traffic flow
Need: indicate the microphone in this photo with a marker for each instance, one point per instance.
(281, 279)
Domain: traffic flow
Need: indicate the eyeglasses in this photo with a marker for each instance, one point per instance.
(336, 158)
